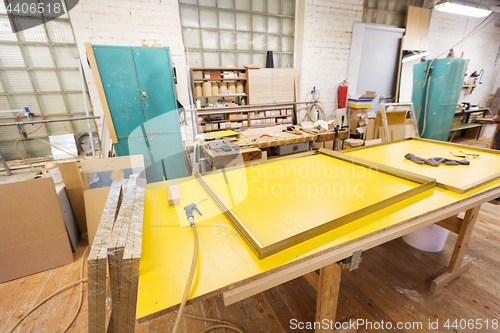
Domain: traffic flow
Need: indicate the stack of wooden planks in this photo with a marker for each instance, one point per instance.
(117, 250)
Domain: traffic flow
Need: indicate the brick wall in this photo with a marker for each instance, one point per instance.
(482, 49)
(323, 44)
(128, 23)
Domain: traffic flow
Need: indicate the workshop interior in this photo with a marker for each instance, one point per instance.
(249, 166)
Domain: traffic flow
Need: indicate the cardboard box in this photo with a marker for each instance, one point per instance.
(34, 236)
(233, 116)
(222, 125)
(245, 122)
(215, 126)
(251, 114)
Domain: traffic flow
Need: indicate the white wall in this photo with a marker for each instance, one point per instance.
(128, 23)
(482, 49)
(323, 41)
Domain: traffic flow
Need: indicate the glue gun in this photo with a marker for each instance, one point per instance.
(189, 211)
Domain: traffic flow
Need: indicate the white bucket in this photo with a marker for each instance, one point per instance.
(431, 238)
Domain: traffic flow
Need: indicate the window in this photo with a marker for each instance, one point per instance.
(391, 12)
(39, 70)
(237, 32)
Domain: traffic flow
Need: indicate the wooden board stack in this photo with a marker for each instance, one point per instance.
(97, 261)
(117, 249)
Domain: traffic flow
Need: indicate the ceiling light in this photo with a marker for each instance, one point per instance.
(467, 8)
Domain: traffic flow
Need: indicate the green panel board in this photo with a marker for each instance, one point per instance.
(140, 91)
(446, 80)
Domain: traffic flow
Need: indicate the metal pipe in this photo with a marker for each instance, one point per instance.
(80, 68)
(48, 121)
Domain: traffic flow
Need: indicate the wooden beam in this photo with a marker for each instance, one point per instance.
(451, 223)
(463, 238)
(441, 281)
(457, 267)
(328, 294)
(313, 279)
(100, 90)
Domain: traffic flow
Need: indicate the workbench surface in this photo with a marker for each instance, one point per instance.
(226, 261)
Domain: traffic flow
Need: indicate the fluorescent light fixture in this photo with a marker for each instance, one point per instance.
(415, 56)
(467, 8)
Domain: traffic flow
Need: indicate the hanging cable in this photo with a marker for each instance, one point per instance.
(29, 118)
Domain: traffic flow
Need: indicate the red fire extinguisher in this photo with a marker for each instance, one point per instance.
(342, 95)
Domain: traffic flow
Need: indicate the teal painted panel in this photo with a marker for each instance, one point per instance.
(121, 86)
(445, 83)
(146, 124)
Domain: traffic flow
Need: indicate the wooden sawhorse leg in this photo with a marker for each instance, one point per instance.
(327, 284)
(457, 266)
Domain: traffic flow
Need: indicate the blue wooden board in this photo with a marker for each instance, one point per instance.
(144, 124)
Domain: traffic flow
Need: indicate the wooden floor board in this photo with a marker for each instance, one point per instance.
(367, 293)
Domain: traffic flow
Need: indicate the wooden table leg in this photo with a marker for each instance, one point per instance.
(457, 265)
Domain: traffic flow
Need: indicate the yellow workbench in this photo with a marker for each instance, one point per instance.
(227, 265)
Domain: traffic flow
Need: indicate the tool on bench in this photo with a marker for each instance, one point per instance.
(291, 129)
(269, 136)
(189, 210)
(469, 156)
(307, 131)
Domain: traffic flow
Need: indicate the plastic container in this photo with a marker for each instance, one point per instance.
(431, 238)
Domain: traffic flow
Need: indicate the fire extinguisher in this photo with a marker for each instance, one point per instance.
(342, 95)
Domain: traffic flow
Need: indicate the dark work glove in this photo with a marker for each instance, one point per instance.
(435, 161)
(421, 160)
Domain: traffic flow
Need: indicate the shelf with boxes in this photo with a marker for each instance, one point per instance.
(219, 82)
(244, 117)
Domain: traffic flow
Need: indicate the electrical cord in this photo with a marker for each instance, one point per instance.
(221, 323)
(81, 281)
(38, 126)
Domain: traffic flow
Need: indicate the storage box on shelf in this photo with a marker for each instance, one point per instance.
(244, 117)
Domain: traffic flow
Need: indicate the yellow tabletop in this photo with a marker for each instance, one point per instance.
(224, 257)
(459, 176)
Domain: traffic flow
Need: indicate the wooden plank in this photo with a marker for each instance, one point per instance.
(283, 85)
(131, 261)
(451, 223)
(115, 248)
(74, 187)
(100, 91)
(417, 21)
(173, 192)
(260, 86)
(95, 200)
(328, 294)
(97, 262)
